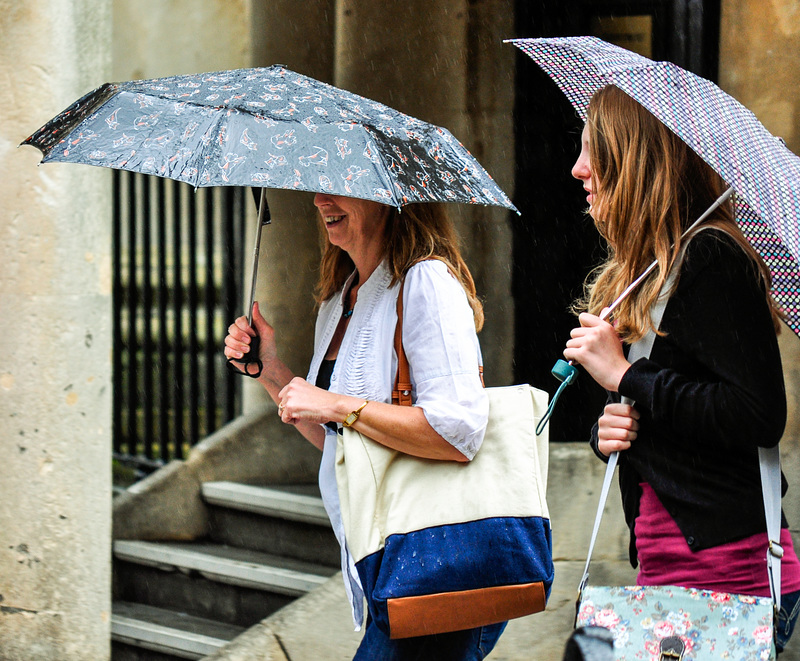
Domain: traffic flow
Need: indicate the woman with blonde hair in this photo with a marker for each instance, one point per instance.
(370, 250)
(711, 391)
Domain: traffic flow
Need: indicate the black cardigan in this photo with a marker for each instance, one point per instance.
(710, 394)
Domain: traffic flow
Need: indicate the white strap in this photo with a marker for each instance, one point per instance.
(640, 349)
(769, 461)
(612, 464)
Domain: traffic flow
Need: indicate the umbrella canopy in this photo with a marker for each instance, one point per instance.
(267, 127)
(763, 173)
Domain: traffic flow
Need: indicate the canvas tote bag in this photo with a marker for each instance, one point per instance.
(444, 546)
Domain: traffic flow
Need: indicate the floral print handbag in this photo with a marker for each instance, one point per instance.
(665, 622)
(668, 623)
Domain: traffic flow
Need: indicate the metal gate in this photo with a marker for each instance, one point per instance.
(178, 273)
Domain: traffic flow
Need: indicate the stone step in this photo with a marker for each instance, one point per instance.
(287, 520)
(190, 592)
(287, 503)
(169, 633)
(267, 546)
(233, 566)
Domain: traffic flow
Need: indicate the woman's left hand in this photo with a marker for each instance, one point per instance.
(597, 347)
(617, 428)
(299, 400)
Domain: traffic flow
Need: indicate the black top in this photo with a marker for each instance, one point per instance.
(709, 395)
(325, 372)
(324, 381)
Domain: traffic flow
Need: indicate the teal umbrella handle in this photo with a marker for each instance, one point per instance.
(566, 373)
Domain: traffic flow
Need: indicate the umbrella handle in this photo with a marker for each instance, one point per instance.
(251, 358)
(565, 372)
(264, 218)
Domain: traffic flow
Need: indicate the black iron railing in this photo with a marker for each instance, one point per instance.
(178, 273)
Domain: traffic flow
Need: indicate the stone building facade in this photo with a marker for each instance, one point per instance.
(443, 62)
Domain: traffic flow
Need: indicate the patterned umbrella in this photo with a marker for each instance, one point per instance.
(763, 173)
(266, 128)
(270, 128)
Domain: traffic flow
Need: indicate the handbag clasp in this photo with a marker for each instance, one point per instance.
(672, 649)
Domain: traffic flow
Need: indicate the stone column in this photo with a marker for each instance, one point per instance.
(760, 67)
(445, 63)
(489, 240)
(299, 36)
(153, 38)
(55, 343)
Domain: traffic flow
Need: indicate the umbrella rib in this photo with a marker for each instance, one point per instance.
(384, 168)
(607, 312)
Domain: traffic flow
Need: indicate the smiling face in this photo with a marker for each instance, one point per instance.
(356, 226)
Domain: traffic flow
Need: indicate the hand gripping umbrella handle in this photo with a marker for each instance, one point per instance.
(565, 371)
(251, 358)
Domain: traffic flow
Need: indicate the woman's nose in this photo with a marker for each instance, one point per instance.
(321, 199)
(581, 168)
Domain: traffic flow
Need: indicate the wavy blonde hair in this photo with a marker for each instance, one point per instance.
(649, 186)
(420, 231)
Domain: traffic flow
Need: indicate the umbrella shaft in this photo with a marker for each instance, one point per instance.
(638, 280)
(263, 219)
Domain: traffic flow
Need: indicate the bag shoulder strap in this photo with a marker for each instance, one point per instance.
(401, 394)
(769, 461)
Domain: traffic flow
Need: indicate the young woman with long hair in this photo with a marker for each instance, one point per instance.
(711, 392)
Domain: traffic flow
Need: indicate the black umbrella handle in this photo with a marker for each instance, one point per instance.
(250, 359)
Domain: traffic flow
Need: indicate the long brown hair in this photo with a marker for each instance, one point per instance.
(420, 231)
(649, 186)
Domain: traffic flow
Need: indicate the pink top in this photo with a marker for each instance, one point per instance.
(738, 567)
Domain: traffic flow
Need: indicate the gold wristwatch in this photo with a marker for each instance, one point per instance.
(353, 415)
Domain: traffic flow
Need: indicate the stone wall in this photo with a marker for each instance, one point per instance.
(153, 38)
(55, 343)
(760, 67)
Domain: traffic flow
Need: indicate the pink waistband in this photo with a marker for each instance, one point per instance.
(738, 567)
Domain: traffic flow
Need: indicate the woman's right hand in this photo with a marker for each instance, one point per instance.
(596, 346)
(617, 428)
(239, 338)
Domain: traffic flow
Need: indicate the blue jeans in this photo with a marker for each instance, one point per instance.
(787, 618)
(468, 645)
